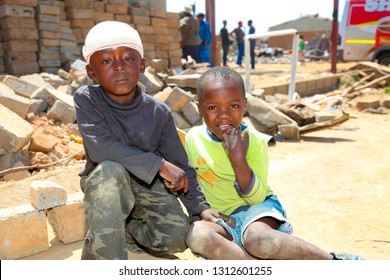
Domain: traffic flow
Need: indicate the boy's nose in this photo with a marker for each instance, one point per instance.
(119, 66)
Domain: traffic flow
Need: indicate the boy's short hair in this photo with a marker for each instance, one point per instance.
(219, 73)
(109, 34)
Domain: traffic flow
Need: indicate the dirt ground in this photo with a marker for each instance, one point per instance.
(334, 183)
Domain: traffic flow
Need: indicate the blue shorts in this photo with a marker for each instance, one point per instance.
(271, 207)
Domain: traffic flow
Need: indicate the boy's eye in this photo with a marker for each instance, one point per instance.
(106, 61)
(213, 107)
(128, 59)
(235, 106)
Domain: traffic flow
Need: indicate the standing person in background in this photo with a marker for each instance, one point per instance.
(225, 41)
(301, 50)
(239, 34)
(205, 36)
(252, 30)
(189, 31)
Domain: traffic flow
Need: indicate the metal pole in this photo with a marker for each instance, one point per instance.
(210, 17)
(294, 60)
(294, 57)
(335, 33)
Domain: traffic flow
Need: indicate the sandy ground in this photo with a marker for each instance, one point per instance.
(334, 183)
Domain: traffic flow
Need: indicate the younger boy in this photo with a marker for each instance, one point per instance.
(231, 161)
(135, 161)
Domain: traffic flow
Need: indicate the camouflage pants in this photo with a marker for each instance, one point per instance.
(117, 204)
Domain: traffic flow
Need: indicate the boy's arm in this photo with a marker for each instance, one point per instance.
(236, 148)
(250, 167)
(172, 149)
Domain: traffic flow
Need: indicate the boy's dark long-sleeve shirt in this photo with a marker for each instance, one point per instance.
(138, 135)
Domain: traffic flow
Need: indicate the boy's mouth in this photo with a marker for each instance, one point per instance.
(225, 128)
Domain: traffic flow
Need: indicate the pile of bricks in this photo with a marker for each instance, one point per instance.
(45, 36)
(25, 229)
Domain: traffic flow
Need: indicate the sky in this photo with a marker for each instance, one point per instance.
(263, 13)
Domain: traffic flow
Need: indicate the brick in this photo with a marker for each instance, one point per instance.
(21, 46)
(123, 18)
(15, 132)
(20, 34)
(103, 16)
(180, 121)
(18, 104)
(29, 3)
(13, 22)
(46, 194)
(177, 98)
(85, 4)
(21, 67)
(48, 10)
(158, 13)
(386, 103)
(134, 11)
(21, 87)
(116, 9)
(48, 18)
(62, 112)
(68, 220)
(23, 232)
(80, 13)
(142, 20)
(191, 113)
(364, 104)
(8, 10)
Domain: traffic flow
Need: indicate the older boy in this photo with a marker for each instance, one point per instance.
(231, 161)
(135, 161)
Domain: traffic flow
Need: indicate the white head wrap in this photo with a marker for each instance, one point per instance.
(109, 34)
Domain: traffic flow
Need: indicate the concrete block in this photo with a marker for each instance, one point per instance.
(189, 80)
(178, 98)
(21, 87)
(15, 132)
(68, 221)
(265, 113)
(386, 103)
(151, 82)
(364, 104)
(18, 104)
(8, 160)
(180, 121)
(23, 232)
(46, 194)
(190, 111)
(290, 131)
(62, 112)
(324, 116)
(8, 10)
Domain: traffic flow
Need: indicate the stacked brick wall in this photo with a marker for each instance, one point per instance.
(45, 35)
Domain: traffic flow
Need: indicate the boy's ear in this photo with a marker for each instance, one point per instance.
(199, 110)
(142, 65)
(90, 72)
(245, 104)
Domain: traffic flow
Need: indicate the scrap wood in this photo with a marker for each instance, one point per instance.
(374, 82)
(320, 125)
(351, 88)
(37, 166)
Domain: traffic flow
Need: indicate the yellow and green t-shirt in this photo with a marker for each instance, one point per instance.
(216, 175)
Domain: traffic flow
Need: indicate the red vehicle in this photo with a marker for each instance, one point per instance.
(365, 31)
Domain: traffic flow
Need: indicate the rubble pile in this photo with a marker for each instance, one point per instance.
(39, 131)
